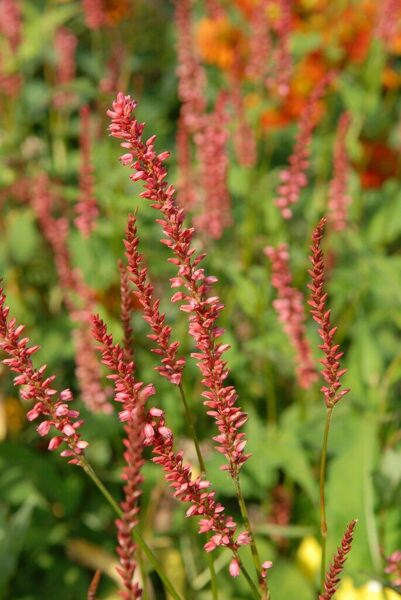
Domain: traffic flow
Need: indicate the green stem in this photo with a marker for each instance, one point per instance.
(213, 578)
(192, 430)
(202, 467)
(323, 520)
(254, 550)
(249, 579)
(137, 536)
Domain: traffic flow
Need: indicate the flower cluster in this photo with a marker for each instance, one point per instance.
(332, 577)
(290, 309)
(203, 311)
(188, 489)
(331, 372)
(388, 20)
(94, 13)
(65, 44)
(211, 142)
(126, 306)
(186, 188)
(10, 22)
(132, 395)
(294, 178)
(86, 208)
(283, 59)
(339, 199)
(260, 46)
(394, 567)
(50, 406)
(190, 73)
(172, 365)
(244, 139)
(78, 297)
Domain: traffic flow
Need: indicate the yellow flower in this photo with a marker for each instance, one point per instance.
(309, 556)
(372, 590)
(347, 591)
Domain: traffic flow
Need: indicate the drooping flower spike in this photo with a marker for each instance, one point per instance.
(190, 489)
(77, 296)
(51, 407)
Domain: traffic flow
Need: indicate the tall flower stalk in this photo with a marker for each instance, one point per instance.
(203, 309)
(332, 371)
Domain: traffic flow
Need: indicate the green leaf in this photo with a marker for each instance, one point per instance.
(12, 535)
(350, 493)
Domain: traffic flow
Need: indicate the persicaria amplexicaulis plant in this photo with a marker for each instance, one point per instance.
(147, 426)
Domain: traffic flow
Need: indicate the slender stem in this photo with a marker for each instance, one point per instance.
(101, 487)
(138, 538)
(213, 578)
(191, 426)
(247, 577)
(254, 550)
(244, 513)
(323, 521)
(202, 467)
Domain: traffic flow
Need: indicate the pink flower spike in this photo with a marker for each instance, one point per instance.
(86, 209)
(290, 308)
(37, 387)
(294, 177)
(203, 311)
(338, 196)
(331, 366)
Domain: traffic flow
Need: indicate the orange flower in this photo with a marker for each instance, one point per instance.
(353, 30)
(246, 6)
(220, 43)
(116, 10)
(391, 79)
(379, 164)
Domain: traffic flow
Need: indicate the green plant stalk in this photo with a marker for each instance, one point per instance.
(323, 520)
(137, 536)
(210, 559)
(243, 570)
(254, 550)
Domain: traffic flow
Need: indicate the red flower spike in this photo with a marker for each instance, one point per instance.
(338, 197)
(78, 297)
(331, 371)
(86, 208)
(172, 366)
(126, 302)
(332, 576)
(289, 306)
(203, 310)
(50, 406)
(294, 178)
(133, 395)
(195, 491)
